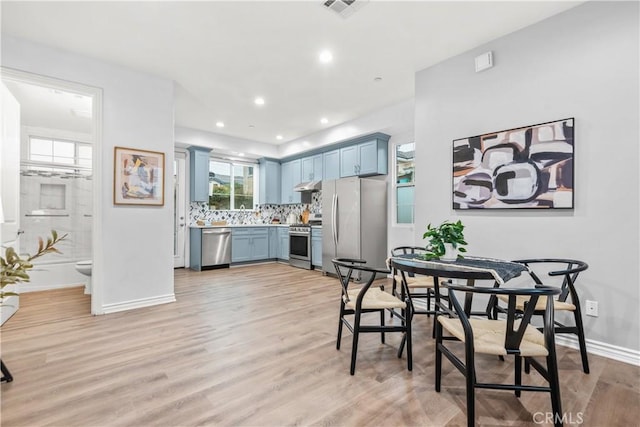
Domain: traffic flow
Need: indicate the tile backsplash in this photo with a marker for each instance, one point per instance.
(262, 214)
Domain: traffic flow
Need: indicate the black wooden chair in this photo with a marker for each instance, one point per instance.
(513, 336)
(419, 287)
(567, 301)
(355, 301)
(6, 375)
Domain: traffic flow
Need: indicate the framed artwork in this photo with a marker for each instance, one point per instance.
(138, 177)
(529, 167)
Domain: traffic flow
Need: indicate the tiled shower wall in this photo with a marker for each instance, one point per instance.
(264, 214)
(56, 201)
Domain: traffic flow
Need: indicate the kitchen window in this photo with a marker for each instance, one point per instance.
(231, 185)
(404, 182)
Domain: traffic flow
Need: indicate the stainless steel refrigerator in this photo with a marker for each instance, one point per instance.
(354, 221)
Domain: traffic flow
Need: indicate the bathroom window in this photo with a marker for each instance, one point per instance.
(53, 151)
(231, 185)
(405, 182)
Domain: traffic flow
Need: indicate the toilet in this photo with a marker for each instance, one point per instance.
(84, 267)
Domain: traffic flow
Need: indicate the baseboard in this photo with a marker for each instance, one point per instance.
(28, 287)
(598, 348)
(140, 303)
(609, 351)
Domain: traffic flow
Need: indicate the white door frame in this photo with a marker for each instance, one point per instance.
(9, 74)
(180, 213)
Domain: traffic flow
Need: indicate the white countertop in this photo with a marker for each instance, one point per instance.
(317, 227)
(238, 225)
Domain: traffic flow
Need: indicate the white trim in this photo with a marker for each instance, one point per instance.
(139, 303)
(96, 94)
(598, 348)
(395, 186)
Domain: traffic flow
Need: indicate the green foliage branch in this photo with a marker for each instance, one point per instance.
(15, 267)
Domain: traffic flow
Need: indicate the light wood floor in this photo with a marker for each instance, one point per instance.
(255, 346)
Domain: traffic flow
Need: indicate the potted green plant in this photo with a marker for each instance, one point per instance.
(15, 268)
(446, 241)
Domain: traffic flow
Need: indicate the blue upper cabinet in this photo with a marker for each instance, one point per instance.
(331, 164)
(349, 160)
(364, 158)
(199, 174)
(312, 168)
(270, 181)
(291, 176)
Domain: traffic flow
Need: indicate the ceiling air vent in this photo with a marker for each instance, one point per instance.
(344, 8)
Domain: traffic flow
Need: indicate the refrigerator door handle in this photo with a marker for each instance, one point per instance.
(334, 218)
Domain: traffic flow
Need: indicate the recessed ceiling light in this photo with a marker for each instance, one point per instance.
(259, 101)
(377, 79)
(325, 57)
(324, 120)
(278, 136)
(251, 126)
(220, 124)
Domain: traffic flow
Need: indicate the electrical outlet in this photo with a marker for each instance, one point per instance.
(591, 308)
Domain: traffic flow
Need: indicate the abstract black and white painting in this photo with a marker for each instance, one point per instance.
(526, 167)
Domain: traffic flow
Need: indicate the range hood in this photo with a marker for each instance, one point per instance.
(308, 186)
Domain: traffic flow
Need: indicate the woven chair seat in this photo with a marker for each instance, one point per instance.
(375, 298)
(489, 336)
(416, 281)
(541, 305)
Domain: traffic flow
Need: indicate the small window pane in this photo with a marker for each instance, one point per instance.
(41, 147)
(243, 186)
(405, 198)
(405, 165)
(219, 185)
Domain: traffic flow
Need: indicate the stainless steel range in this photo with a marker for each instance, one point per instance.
(300, 246)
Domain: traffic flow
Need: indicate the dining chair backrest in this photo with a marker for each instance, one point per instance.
(345, 269)
(514, 330)
(570, 273)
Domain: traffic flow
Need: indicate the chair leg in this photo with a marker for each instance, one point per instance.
(527, 366)
(471, 390)
(340, 326)
(408, 337)
(518, 373)
(354, 346)
(554, 384)
(382, 324)
(6, 375)
(438, 357)
(581, 341)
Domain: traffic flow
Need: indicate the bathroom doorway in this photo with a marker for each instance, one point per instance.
(58, 177)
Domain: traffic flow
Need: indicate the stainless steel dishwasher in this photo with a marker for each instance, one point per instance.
(216, 247)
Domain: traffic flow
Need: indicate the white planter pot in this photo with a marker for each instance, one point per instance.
(450, 253)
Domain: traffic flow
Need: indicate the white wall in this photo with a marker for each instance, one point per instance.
(584, 64)
(133, 255)
(223, 145)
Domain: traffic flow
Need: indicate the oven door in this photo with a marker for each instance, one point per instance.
(300, 246)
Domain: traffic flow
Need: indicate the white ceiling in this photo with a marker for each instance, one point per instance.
(222, 54)
(53, 109)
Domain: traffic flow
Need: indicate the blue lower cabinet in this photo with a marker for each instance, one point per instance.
(260, 246)
(283, 243)
(249, 244)
(316, 247)
(273, 242)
